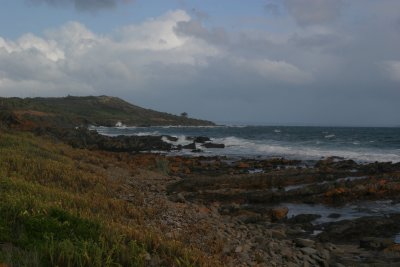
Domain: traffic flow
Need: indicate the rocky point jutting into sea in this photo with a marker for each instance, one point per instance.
(233, 196)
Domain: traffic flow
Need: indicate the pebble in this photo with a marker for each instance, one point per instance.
(238, 249)
(308, 251)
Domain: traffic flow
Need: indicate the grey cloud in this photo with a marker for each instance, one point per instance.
(194, 28)
(312, 12)
(81, 5)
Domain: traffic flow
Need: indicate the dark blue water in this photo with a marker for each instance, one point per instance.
(362, 144)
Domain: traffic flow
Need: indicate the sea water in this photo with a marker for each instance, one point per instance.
(364, 144)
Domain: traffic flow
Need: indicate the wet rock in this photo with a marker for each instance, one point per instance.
(213, 145)
(303, 218)
(171, 138)
(375, 243)
(202, 139)
(191, 146)
(334, 215)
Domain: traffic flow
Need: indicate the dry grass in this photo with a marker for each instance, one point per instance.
(60, 206)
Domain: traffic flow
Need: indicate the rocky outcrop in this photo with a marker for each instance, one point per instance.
(83, 138)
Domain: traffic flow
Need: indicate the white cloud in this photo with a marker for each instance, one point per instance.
(72, 59)
(155, 34)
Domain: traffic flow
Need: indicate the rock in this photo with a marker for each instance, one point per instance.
(303, 218)
(212, 145)
(171, 138)
(356, 230)
(279, 213)
(375, 243)
(243, 165)
(324, 253)
(178, 198)
(202, 139)
(334, 215)
(308, 251)
(395, 248)
(302, 242)
(278, 233)
(191, 146)
(238, 249)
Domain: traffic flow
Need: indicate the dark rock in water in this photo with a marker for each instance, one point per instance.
(171, 138)
(303, 218)
(202, 139)
(191, 146)
(334, 215)
(212, 145)
(375, 243)
(197, 151)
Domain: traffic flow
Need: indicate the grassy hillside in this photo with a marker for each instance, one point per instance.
(65, 207)
(98, 110)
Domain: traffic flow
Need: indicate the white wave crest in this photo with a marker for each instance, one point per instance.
(236, 145)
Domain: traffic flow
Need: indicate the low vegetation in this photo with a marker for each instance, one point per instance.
(71, 111)
(59, 206)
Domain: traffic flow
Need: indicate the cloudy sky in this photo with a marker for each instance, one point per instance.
(286, 62)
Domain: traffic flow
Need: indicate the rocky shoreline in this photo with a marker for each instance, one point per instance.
(261, 212)
(261, 203)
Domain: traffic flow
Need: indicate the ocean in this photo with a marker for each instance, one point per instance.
(362, 144)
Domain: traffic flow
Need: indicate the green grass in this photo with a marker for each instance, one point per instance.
(104, 110)
(59, 208)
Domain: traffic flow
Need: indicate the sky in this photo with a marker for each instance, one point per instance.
(276, 62)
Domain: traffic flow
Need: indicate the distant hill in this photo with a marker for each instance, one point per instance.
(95, 110)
